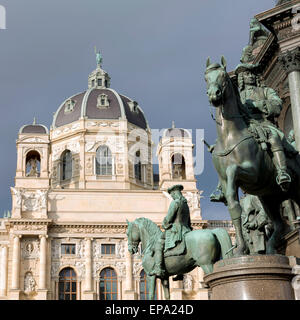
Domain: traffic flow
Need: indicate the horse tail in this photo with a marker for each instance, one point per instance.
(224, 241)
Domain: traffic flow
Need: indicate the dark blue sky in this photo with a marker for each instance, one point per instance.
(155, 52)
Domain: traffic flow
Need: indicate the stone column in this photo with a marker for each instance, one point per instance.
(130, 294)
(3, 271)
(15, 281)
(128, 271)
(176, 288)
(290, 61)
(88, 265)
(43, 262)
(202, 287)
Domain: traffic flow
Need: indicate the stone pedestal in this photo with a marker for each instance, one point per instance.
(41, 294)
(89, 295)
(130, 295)
(14, 294)
(256, 277)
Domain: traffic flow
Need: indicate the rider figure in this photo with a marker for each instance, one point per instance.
(261, 105)
(176, 224)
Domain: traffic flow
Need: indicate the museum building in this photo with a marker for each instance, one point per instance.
(76, 185)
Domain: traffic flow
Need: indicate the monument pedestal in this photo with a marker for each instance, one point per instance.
(255, 277)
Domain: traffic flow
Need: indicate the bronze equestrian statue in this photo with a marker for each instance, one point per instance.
(245, 152)
(179, 249)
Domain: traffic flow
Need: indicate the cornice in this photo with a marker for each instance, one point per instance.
(268, 17)
(29, 221)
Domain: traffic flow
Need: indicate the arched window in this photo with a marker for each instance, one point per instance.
(178, 166)
(67, 286)
(138, 166)
(33, 163)
(144, 288)
(66, 165)
(104, 161)
(108, 284)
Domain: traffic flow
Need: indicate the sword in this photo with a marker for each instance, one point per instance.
(235, 246)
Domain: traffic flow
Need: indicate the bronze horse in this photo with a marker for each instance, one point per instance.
(203, 248)
(241, 162)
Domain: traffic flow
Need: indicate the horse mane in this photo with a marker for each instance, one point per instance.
(152, 228)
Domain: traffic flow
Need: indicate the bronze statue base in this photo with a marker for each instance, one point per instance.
(255, 277)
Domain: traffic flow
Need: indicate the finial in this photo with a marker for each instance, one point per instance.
(173, 124)
(98, 58)
(34, 121)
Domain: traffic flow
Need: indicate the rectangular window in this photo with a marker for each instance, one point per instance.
(68, 249)
(99, 82)
(108, 248)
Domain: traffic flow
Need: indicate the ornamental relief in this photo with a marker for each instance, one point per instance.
(113, 125)
(79, 267)
(29, 227)
(287, 33)
(113, 142)
(121, 249)
(136, 268)
(93, 230)
(73, 146)
(35, 140)
(187, 282)
(30, 249)
(120, 266)
(193, 199)
(34, 201)
(56, 248)
(68, 129)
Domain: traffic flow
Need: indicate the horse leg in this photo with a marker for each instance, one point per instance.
(234, 208)
(272, 208)
(152, 285)
(166, 288)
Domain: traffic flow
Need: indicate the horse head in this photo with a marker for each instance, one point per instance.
(216, 79)
(133, 237)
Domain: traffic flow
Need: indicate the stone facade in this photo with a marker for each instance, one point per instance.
(65, 213)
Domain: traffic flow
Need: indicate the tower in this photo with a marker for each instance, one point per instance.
(32, 174)
(175, 157)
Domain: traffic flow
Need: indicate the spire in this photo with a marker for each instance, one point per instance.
(173, 124)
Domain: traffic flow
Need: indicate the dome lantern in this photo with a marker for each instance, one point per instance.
(99, 79)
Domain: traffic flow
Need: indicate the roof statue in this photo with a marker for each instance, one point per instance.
(258, 36)
(99, 58)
